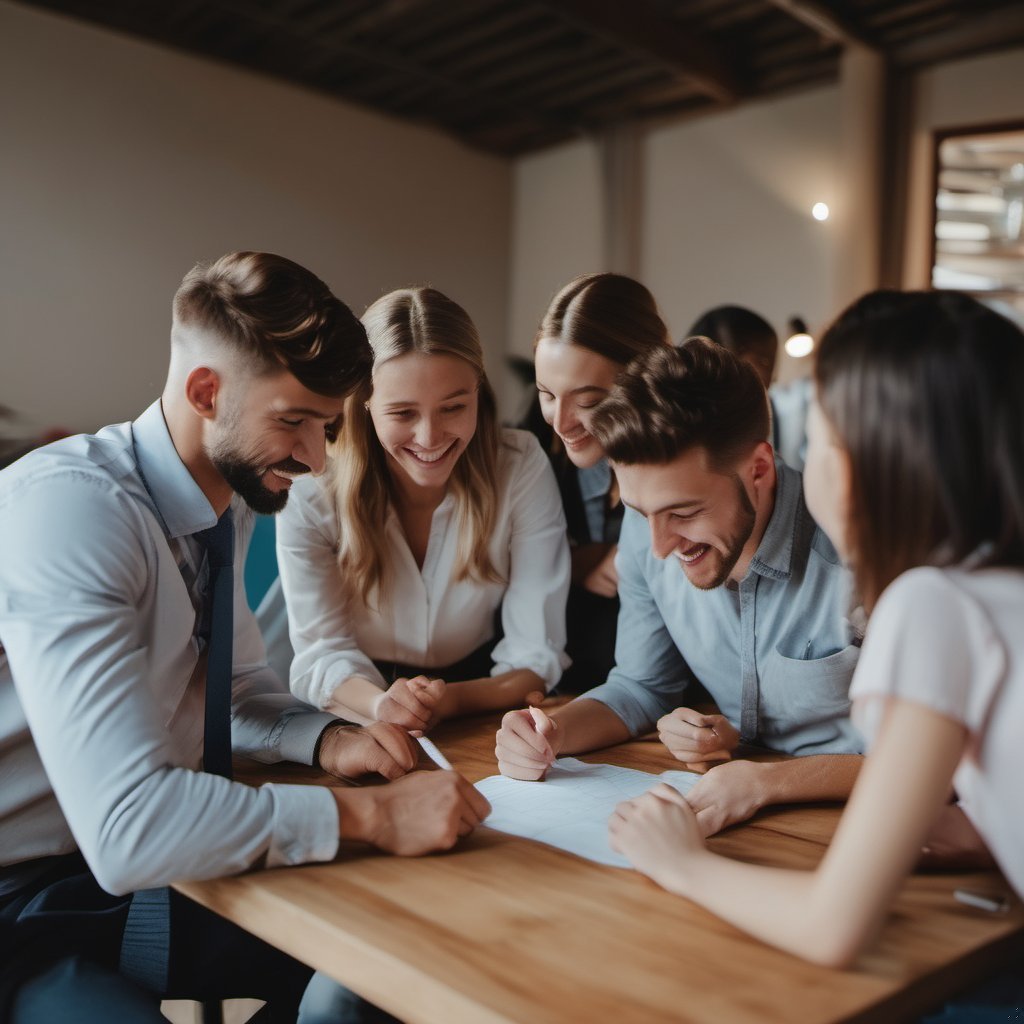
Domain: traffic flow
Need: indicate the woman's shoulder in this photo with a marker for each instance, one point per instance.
(518, 448)
(309, 500)
(927, 587)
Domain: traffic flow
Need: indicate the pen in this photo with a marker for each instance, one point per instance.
(435, 755)
(997, 903)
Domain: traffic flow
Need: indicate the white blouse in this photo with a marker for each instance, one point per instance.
(430, 620)
(951, 639)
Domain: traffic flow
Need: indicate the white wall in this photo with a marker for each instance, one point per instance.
(728, 213)
(963, 94)
(123, 163)
(557, 232)
(726, 217)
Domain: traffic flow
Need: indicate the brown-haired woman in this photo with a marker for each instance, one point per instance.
(915, 469)
(431, 525)
(594, 326)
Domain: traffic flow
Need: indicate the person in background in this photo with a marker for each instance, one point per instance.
(594, 326)
(751, 338)
(916, 470)
(724, 580)
(130, 668)
(425, 575)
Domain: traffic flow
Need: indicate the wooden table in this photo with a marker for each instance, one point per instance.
(503, 929)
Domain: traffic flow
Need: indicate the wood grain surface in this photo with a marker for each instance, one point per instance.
(502, 929)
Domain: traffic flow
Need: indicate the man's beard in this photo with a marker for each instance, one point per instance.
(745, 520)
(245, 477)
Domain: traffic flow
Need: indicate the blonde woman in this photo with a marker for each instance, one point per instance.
(426, 572)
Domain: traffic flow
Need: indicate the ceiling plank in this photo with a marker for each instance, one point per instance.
(825, 22)
(999, 29)
(639, 27)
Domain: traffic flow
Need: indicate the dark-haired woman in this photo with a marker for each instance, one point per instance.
(916, 471)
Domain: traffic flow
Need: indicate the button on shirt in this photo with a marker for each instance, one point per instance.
(101, 676)
(775, 652)
(429, 619)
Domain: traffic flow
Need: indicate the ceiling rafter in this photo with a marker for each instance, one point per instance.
(825, 22)
(639, 27)
(993, 30)
(454, 89)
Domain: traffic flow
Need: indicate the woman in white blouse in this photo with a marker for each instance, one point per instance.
(915, 469)
(431, 526)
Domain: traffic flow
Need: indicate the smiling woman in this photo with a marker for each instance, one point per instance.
(432, 556)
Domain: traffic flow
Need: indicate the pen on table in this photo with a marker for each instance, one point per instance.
(435, 755)
(995, 903)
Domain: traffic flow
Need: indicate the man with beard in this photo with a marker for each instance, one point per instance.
(729, 583)
(130, 667)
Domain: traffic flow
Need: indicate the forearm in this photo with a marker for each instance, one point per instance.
(355, 700)
(787, 909)
(490, 693)
(805, 779)
(584, 725)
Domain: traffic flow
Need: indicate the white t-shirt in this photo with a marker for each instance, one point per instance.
(953, 640)
(429, 620)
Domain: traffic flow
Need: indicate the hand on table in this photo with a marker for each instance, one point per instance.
(526, 744)
(697, 739)
(353, 750)
(423, 812)
(656, 832)
(728, 793)
(411, 703)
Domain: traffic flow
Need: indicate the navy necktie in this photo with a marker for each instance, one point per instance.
(218, 619)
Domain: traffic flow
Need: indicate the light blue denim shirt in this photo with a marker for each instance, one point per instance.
(776, 653)
(102, 676)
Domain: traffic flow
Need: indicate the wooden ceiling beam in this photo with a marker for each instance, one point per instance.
(639, 27)
(829, 25)
(1000, 29)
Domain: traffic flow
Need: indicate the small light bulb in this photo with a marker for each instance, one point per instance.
(819, 211)
(799, 345)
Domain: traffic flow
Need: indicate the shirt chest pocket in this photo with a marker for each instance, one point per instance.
(804, 691)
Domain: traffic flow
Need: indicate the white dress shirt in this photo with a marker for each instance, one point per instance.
(430, 620)
(102, 676)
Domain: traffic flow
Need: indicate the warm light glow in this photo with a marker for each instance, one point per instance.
(799, 345)
(819, 211)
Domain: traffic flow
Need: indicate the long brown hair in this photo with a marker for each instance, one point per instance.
(412, 320)
(923, 391)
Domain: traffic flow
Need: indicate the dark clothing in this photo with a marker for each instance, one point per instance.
(129, 951)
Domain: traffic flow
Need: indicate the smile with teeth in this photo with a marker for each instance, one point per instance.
(694, 554)
(575, 440)
(429, 458)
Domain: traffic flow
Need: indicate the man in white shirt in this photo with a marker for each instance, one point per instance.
(103, 671)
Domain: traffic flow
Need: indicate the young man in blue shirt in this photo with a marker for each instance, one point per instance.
(108, 565)
(724, 579)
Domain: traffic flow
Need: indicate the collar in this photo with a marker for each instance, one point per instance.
(179, 500)
(774, 555)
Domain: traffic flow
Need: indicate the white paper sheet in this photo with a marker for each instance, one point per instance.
(571, 807)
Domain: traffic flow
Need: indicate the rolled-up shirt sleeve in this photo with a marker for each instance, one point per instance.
(77, 562)
(533, 608)
(650, 675)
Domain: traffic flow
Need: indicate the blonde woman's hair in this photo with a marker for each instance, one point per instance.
(412, 320)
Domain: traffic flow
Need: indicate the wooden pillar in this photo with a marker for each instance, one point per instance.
(858, 219)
